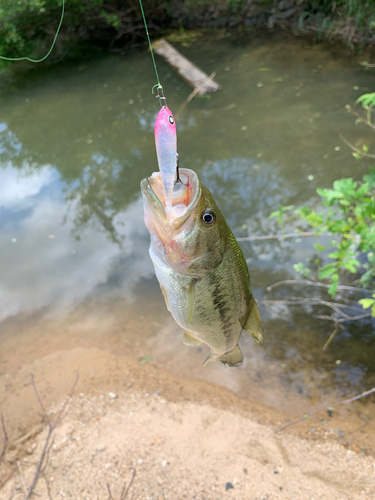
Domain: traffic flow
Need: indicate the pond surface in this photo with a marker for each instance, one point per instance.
(75, 142)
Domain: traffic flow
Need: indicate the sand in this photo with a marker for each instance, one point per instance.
(185, 439)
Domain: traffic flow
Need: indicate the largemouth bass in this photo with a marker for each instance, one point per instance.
(200, 267)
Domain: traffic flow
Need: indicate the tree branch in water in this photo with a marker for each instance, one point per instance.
(315, 283)
(362, 153)
(336, 306)
(276, 236)
(325, 407)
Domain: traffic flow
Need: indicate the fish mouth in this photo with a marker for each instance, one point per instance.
(185, 197)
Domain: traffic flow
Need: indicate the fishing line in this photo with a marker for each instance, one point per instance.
(152, 53)
(50, 50)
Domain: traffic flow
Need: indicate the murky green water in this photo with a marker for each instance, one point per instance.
(76, 140)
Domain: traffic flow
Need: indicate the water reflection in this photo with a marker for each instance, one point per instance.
(75, 143)
(42, 264)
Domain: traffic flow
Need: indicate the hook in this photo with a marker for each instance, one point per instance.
(178, 178)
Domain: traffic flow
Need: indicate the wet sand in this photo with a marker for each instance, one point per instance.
(185, 438)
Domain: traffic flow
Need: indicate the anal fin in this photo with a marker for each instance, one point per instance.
(190, 340)
(232, 358)
(211, 357)
(253, 324)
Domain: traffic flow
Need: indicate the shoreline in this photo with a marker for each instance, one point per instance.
(184, 437)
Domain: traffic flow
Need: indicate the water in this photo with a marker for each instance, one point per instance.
(75, 141)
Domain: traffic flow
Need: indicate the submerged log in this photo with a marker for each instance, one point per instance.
(186, 69)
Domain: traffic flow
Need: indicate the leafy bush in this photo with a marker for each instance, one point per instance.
(350, 216)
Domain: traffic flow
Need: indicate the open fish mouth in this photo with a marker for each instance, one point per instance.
(185, 197)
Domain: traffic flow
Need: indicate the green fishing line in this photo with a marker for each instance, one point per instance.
(50, 50)
(152, 53)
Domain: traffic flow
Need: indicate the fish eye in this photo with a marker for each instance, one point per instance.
(208, 217)
(171, 120)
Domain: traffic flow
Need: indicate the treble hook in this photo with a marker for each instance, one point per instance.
(178, 178)
(161, 97)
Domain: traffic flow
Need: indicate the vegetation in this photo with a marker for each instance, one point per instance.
(28, 26)
(346, 213)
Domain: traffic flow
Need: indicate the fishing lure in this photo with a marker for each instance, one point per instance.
(166, 150)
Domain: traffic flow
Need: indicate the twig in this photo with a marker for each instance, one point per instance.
(48, 488)
(362, 153)
(193, 94)
(109, 492)
(22, 478)
(363, 120)
(332, 336)
(125, 491)
(315, 283)
(275, 236)
(51, 428)
(7, 478)
(332, 305)
(325, 406)
(5, 439)
(313, 301)
(351, 318)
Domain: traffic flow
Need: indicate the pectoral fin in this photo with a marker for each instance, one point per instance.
(253, 323)
(165, 297)
(190, 296)
(190, 340)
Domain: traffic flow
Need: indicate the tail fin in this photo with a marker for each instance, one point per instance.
(232, 358)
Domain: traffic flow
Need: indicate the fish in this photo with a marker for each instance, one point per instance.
(200, 267)
(166, 150)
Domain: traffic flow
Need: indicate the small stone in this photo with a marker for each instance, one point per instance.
(112, 395)
(164, 463)
(140, 461)
(30, 450)
(229, 486)
(101, 447)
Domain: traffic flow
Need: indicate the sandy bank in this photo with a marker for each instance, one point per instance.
(185, 438)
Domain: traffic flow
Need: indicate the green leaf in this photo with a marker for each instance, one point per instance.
(334, 285)
(145, 360)
(326, 271)
(366, 303)
(367, 100)
(334, 255)
(319, 247)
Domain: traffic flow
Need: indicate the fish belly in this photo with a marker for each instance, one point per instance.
(220, 299)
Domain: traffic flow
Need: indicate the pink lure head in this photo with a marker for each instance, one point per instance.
(166, 150)
(165, 123)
